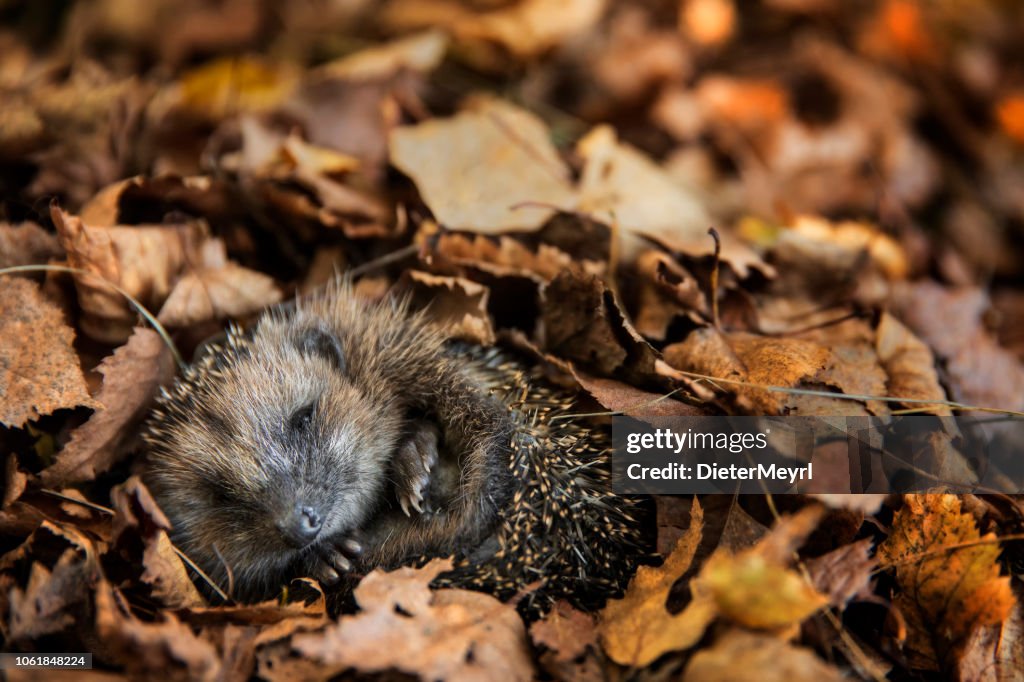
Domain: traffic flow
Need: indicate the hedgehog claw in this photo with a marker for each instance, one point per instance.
(412, 466)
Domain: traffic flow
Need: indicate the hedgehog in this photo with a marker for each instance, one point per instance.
(338, 436)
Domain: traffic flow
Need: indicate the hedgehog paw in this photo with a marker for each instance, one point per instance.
(335, 559)
(413, 463)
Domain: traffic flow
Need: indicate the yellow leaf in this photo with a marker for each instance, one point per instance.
(637, 629)
(234, 84)
(753, 591)
(953, 592)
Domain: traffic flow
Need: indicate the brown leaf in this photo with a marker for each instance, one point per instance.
(165, 649)
(666, 291)
(138, 518)
(457, 305)
(565, 631)
(619, 397)
(420, 52)
(145, 261)
(952, 593)
(637, 629)
(620, 186)
(57, 588)
(844, 573)
(763, 361)
(525, 28)
(740, 656)
(583, 322)
(131, 377)
(909, 364)
(475, 168)
(39, 370)
(950, 321)
(216, 289)
(26, 244)
(403, 625)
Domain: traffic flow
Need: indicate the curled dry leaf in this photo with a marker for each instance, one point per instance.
(53, 598)
(583, 322)
(481, 169)
(666, 291)
(762, 361)
(403, 625)
(457, 305)
(740, 656)
(844, 573)
(145, 261)
(138, 518)
(949, 575)
(39, 370)
(131, 377)
(638, 629)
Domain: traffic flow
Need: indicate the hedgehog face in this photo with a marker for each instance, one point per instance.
(292, 454)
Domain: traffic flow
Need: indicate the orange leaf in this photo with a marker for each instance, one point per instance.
(953, 592)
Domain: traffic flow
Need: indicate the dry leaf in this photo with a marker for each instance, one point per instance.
(844, 573)
(420, 52)
(26, 244)
(565, 631)
(474, 170)
(131, 377)
(525, 28)
(167, 648)
(909, 364)
(145, 261)
(39, 370)
(232, 84)
(443, 634)
(739, 656)
(950, 322)
(755, 593)
(622, 187)
(217, 288)
(457, 305)
(637, 629)
(950, 592)
(138, 518)
(583, 323)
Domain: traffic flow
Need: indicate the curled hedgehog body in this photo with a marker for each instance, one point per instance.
(341, 436)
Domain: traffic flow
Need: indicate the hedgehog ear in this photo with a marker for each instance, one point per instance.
(322, 341)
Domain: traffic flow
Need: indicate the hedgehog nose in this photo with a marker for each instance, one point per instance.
(301, 526)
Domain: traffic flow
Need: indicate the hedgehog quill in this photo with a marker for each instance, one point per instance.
(341, 436)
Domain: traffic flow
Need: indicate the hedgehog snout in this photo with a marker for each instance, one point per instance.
(300, 525)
